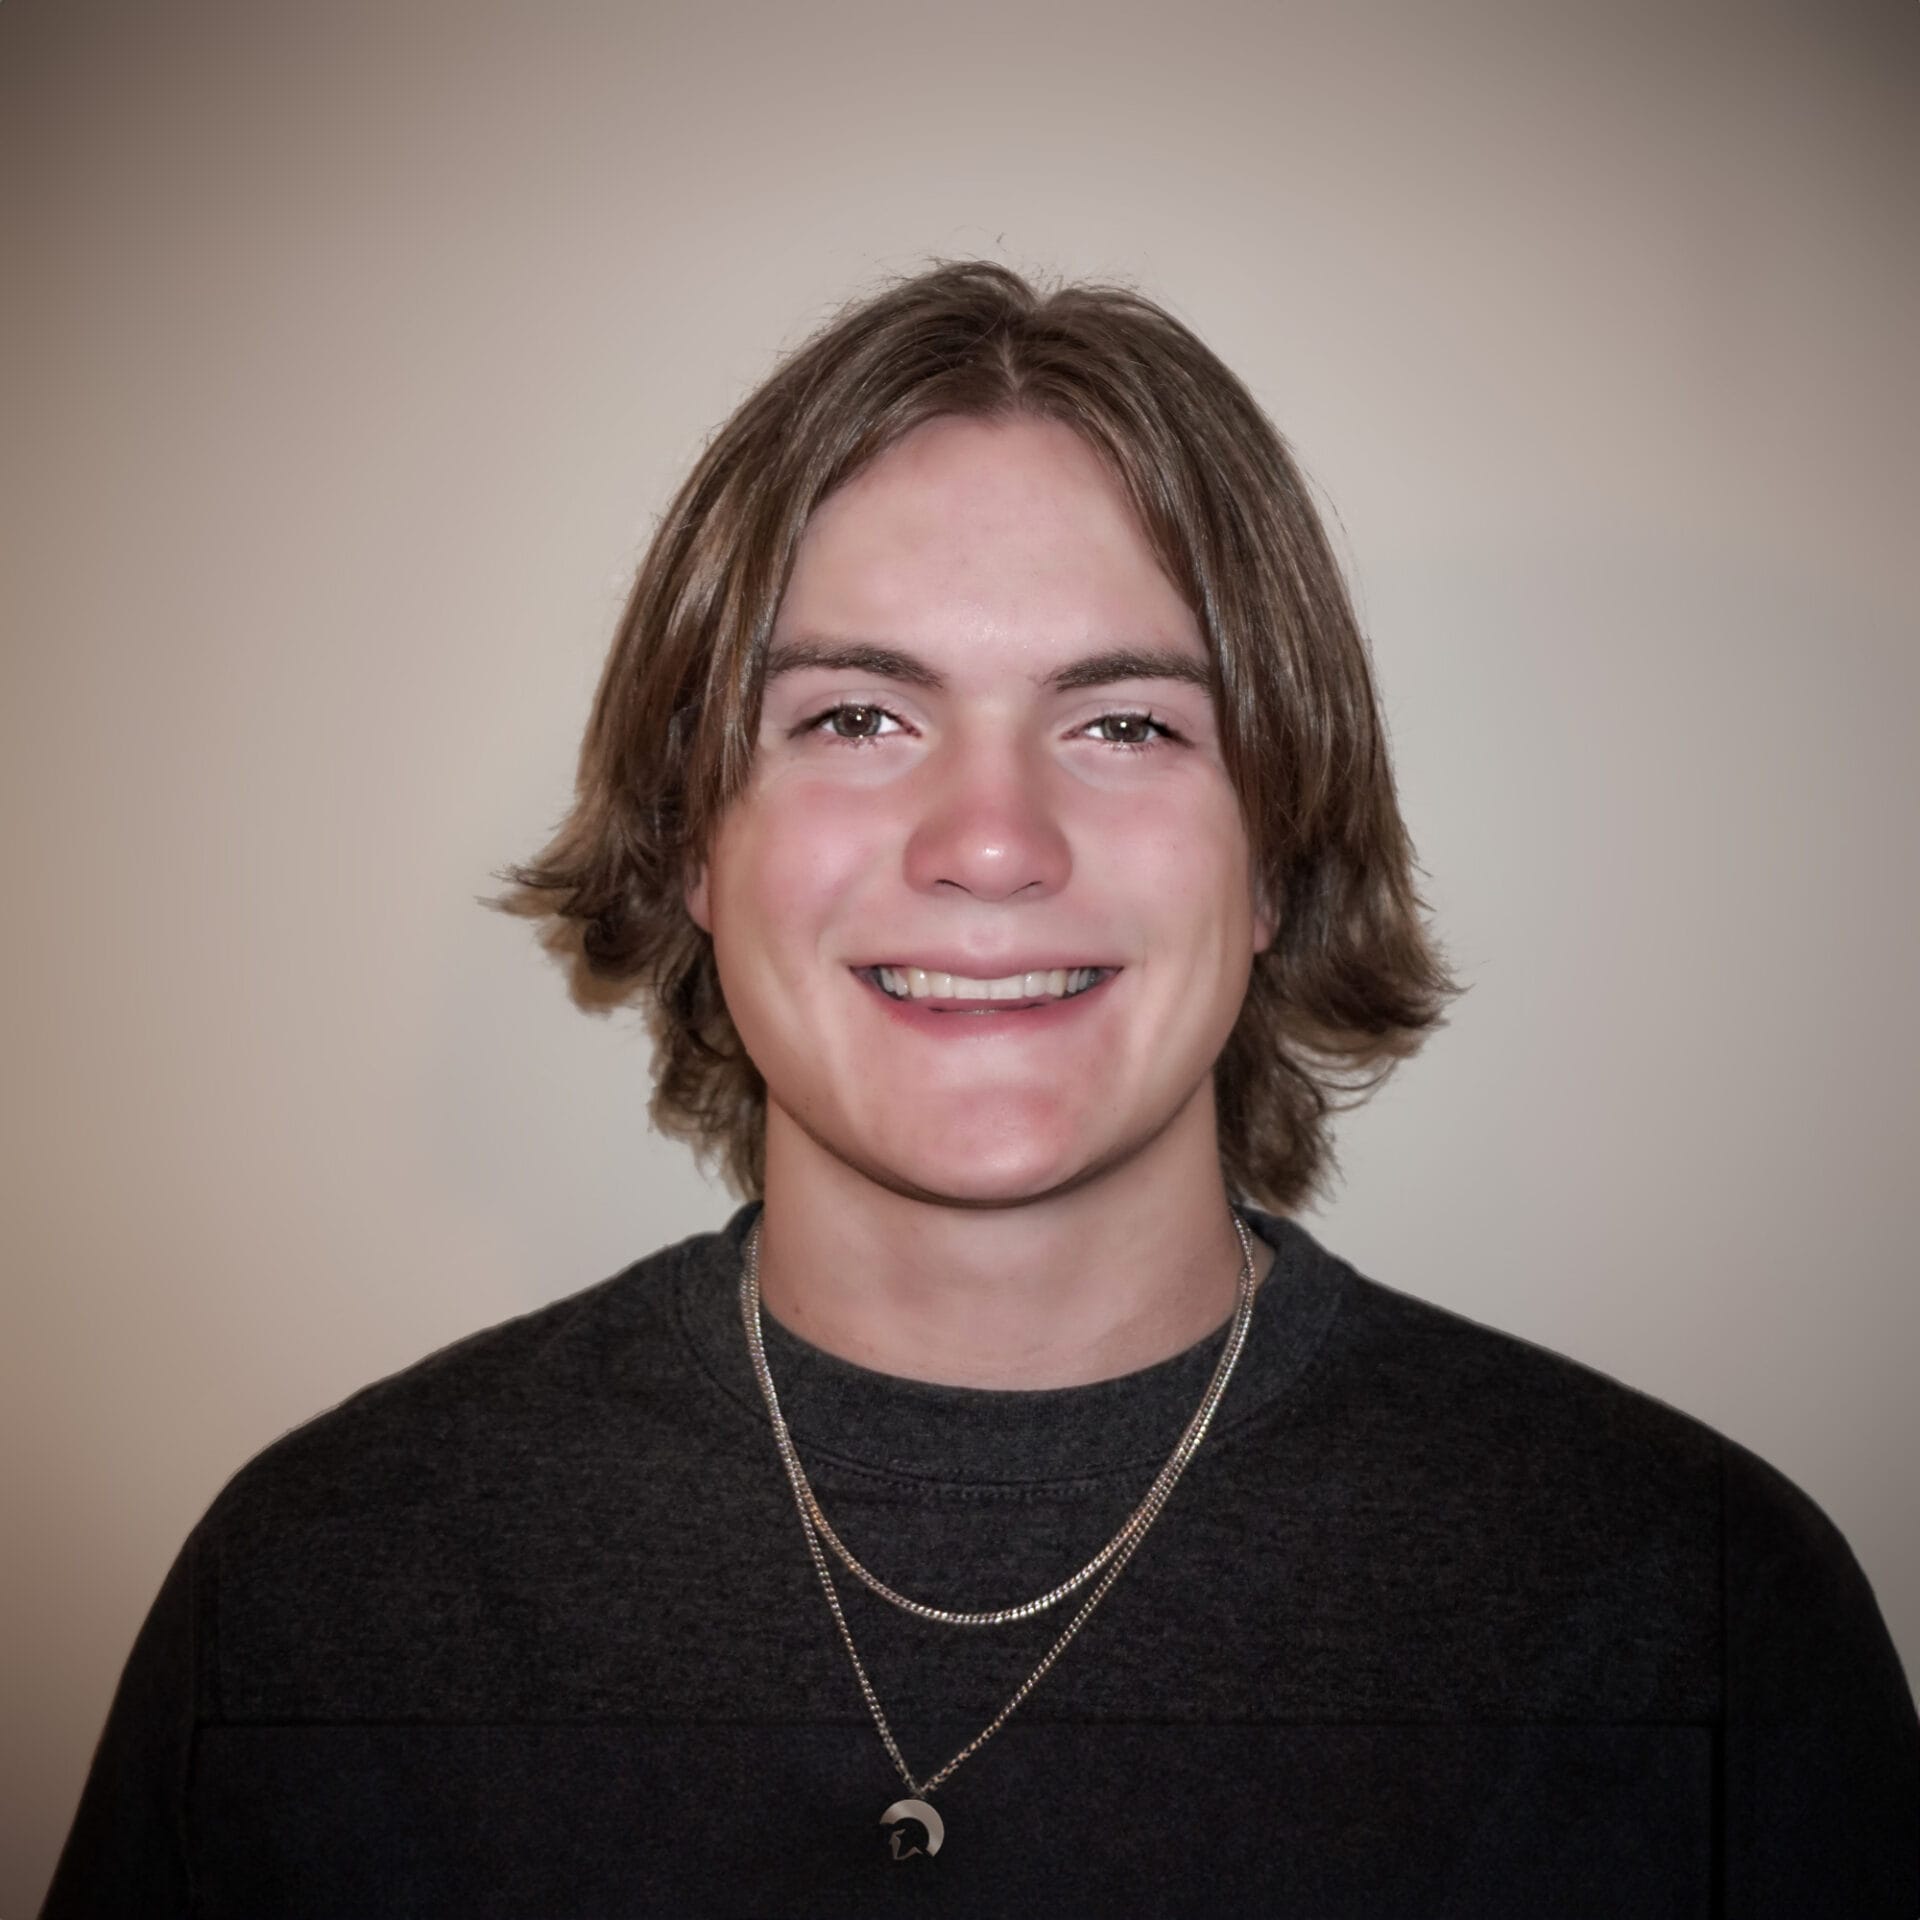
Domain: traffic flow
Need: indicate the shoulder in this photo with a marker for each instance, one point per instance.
(1805, 1635)
(1491, 1423)
(1496, 1392)
(412, 1551)
(1415, 1374)
(1627, 1548)
(506, 1395)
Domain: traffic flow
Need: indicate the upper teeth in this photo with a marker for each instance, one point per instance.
(919, 984)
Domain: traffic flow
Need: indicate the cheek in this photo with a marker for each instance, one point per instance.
(1187, 869)
(794, 860)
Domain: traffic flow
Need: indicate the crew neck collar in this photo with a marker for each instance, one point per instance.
(863, 1422)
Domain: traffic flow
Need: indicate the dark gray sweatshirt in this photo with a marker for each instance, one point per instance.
(1437, 1623)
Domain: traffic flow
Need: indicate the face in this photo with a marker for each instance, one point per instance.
(988, 769)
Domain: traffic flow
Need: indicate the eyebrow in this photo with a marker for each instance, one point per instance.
(1103, 669)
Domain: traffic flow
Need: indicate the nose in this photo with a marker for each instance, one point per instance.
(988, 825)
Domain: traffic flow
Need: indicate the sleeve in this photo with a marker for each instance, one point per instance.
(126, 1853)
(1822, 1758)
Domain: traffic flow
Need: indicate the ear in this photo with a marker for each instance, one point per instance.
(699, 907)
(1265, 920)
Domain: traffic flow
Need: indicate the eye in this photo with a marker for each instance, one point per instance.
(853, 724)
(1133, 732)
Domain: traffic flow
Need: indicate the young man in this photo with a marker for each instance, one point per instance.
(1011, 1509)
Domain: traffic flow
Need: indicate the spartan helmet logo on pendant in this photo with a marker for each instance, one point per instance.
(913, 1810)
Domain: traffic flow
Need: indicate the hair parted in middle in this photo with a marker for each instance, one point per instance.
(1352, 982)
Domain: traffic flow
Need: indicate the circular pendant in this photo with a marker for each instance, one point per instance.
(936, 1828)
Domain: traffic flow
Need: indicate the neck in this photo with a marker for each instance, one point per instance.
(1124, 1270)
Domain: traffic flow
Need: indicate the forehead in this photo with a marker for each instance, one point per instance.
(971, 530)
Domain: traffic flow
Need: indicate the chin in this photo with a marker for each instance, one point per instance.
(998, 1171)
(940, 1187)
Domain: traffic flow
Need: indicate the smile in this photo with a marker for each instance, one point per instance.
(956, 993)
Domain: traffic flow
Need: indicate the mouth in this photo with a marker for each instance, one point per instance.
(1011, 993)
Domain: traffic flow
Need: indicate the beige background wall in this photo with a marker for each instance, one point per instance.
(350, 349)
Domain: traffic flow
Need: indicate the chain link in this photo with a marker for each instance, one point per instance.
(1155, 1497)
(1119, 1550)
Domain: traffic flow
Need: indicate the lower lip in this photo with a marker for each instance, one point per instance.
(974, 1020)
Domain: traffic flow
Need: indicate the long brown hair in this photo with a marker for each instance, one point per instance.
(1352, 982)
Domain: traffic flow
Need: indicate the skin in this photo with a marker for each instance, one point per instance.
(977, 1200)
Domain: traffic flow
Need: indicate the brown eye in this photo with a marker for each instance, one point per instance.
(1125, 729)
(855, 723)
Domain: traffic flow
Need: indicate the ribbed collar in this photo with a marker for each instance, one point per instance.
(852, 1417)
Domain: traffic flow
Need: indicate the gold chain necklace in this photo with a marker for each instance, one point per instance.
(1118, 1551)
